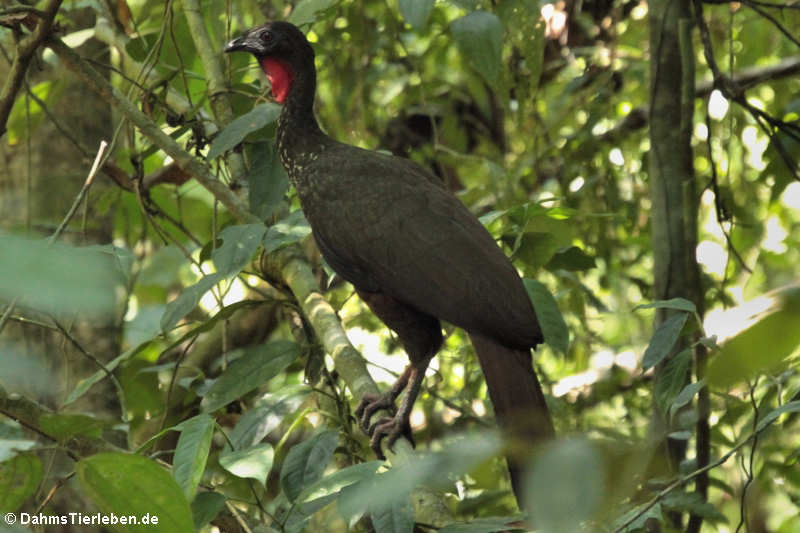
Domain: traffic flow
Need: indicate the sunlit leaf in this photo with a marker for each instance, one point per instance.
(254, 462)
(305, 12)
(672, 379)
(239, 243)
(416, 12)
(265, 416)
(286, 231)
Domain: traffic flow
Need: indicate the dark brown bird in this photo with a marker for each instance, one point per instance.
(414, 253)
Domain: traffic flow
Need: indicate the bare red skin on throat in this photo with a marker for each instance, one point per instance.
(280, 77)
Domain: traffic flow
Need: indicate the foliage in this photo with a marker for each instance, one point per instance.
(222, 403)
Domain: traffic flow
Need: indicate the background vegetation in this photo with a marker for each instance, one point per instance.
(172, 344)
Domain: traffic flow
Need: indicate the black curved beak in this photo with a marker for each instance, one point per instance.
(245, 43)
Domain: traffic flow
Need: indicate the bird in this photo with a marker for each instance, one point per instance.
(413, 252)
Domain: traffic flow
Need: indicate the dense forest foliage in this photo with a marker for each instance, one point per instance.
(173, 346)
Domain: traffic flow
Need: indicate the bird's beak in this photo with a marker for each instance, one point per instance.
(245, 43)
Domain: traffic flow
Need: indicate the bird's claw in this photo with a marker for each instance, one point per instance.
(371, 404)
(391, 429)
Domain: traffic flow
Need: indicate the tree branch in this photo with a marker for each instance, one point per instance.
(26, 49)
(199, 170)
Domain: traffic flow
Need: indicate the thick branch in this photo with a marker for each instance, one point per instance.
(25, 52)
(199, 170)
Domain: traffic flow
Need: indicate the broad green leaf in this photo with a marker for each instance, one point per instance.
(206, 506)
(416, 12)
(187, 300)
(286, 231)
(58, 278)
(342, 478)
(254, 463)
(663, 340)
(305, 12)
(479, 36)
(265, 416)
(235, 132)
(483, 525)
(791, 407)
(771, 338)
(551, 321)
(672, 379)
(305, 463)
(63, 426)
(191, 453)
(395, 518)
(125, 484)
(239, 243)
(256, 366)
(267, 181)
(678, 304)
(19, 479)
(692, 502)
(572, 259)
(566, 486)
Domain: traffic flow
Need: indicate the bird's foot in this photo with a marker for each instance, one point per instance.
(390, 429)
(371, 404)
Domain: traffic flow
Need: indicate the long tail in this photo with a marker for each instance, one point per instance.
(518, 403)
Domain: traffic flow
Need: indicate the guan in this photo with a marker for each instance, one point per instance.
(412, 251)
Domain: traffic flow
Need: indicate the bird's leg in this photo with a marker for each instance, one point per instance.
(399, 425)
(372, 403)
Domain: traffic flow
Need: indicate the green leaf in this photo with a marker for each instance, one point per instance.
(58, 278)
(335, 482)
(791, 407)
(416, 12)
(235, 132)
(286, 231)
(239, 243)
(254, 463)
(678, 304)
(305, 463)
(267, 181)
(256, 366)
(551, 321)
(125, 484)
(206, 506)
(63, 426)
(187, 300)
(572, 259)
(265, 416)
(686, 395)
(566, 486)
(191, 453)
(483, 525)
(672, 379)
(395, 518)
(85, 384)
(19, 478)
(479, 36)
(663, 340)
(305, 12)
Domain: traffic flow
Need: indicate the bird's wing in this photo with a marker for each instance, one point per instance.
(400, 232)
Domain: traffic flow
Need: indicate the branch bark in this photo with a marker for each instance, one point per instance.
(26, 49)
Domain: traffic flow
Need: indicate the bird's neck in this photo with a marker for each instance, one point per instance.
(299, 138)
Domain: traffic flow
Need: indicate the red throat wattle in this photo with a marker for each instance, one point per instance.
(280, 77)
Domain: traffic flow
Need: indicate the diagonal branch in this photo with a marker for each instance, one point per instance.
(26, 49)
(193, 166)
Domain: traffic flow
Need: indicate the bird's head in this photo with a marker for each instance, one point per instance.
(282, 51)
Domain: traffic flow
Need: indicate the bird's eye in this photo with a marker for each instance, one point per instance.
(266, 37)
